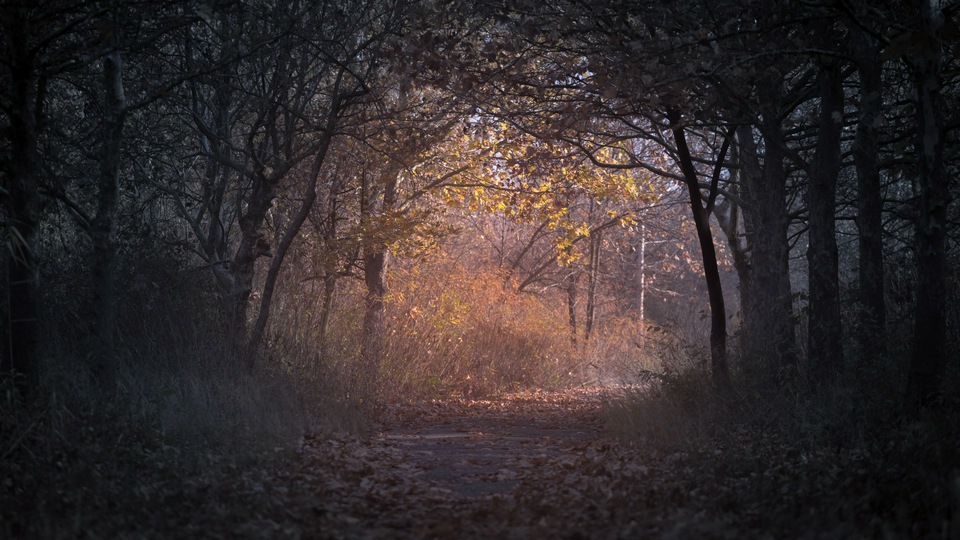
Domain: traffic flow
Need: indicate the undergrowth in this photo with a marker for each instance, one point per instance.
(451, 331)
(177, 444)
(837, 459)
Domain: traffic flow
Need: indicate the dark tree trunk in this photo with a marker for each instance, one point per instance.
(292, 230)
(21, 356)
(374, 276)
(22, 200)
(251, 247)
(214, 126)
(873, 317)
(771, 337)
(748, 173)
(929, 339)
(330, 264)
(103, 230)
(711, 270)
(279, 254)
(825, 354)
(326, 307)
(728, 217)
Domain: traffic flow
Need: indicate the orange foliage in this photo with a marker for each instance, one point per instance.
(454, 330)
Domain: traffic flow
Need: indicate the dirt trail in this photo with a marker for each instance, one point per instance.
(509, 468)
(533, 466)
(484, 449)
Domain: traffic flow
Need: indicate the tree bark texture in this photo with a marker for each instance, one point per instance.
(330, 271)
(872, 330)
(326, 307)
(374, 274)
(737, 224)
(252, 246)
(375, 265)
(824, 350)
(212, 118)
(103, 230)
(929, 339)
(571, 286)
(728, 218)
(293, 229)
(22, 199)
(771, 336)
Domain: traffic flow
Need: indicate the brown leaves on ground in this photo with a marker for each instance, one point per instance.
(537, 465)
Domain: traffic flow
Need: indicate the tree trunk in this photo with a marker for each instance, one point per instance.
(374, 274)
(929, 339)
(825, 354)
(596, 242)
(103, 230)
(375, 265)
(279, 254)
(728, 217)
(711, 270)
(293, 229)
(872, 335)
(771, 337)
(330, 265)
(214, 126)
(642, 275)
(326, 307)
(22, 202)
(642, 285)
(21, 356)
(749, 174)
(252, 246)
(571, 280)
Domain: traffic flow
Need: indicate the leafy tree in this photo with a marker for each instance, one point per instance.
(554, 188)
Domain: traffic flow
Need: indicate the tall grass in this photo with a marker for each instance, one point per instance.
(843, 446)
(683, 408)
(184, 417)
(455, 331)
(626, 351)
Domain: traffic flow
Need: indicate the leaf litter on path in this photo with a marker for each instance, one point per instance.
(528, 465)
(539, 465)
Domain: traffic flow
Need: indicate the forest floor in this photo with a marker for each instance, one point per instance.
(527, 465)
(545, 465)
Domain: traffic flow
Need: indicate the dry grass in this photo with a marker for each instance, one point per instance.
(843, 453)
(456, 332)
(184, 424)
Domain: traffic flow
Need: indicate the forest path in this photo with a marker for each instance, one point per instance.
(527, 465)
(485, 449)
(540, 465)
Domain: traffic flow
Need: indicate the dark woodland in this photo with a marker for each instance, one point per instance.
(478, 269)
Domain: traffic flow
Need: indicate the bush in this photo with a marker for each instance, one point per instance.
(835, 460)
(454, 331)
(79, 459)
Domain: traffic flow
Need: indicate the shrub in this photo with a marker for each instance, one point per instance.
(79, 459)
(454, 331)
